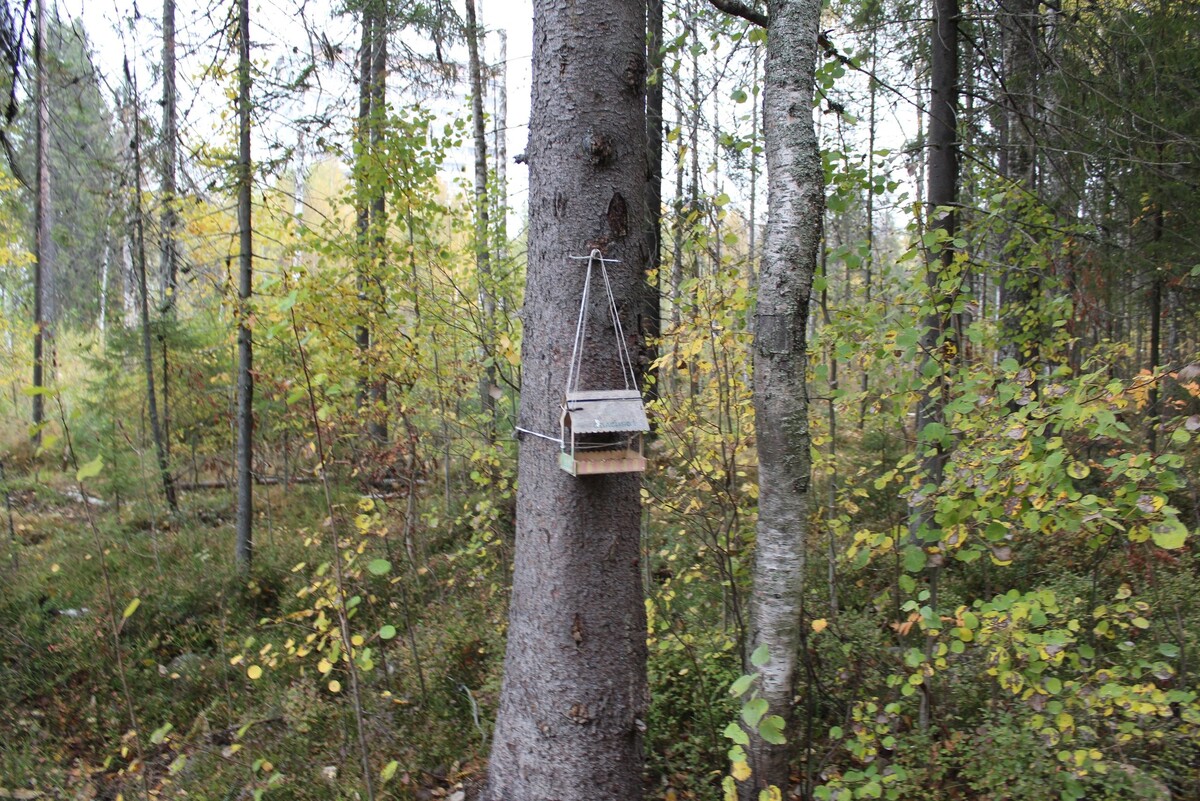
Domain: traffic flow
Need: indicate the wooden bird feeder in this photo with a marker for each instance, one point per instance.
(601, 429)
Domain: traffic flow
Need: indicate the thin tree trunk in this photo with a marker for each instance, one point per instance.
(164, 467)
(651, 306)
(378, 425)
(483, 255)
(367, 181)
(245, 378)
(752, 255)
(14, 543)
(943, 194)
(169, 222)
(574, 695)
(1020, 282)
(1156, 291)
(43, 267)
(796, 203)
(105, 281)
(869, 261)
(501, 202)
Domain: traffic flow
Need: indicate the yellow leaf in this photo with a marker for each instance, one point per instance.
(335, 686)
(740, 770)
(819, 625)
(324, 666)
(254, 672)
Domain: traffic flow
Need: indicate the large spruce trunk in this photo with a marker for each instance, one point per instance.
(574, 693)
(796, 202)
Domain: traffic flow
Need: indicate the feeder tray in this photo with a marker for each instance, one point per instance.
(602, 432)
(601, 429)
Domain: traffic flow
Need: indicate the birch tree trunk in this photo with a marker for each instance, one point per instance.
(245, 378)
(795, 198)
(574, 695)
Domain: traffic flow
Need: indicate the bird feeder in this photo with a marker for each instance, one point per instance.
(602, 432)
(601, 429)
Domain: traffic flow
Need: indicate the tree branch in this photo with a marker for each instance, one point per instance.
(739, 9)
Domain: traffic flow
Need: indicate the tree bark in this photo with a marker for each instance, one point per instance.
(372, 225)
(483, 255)
(1020, 283)
(169, 254)
(942, 194)
(796, 201)
(43, 266)
(245, 378)
(650, 313)
(139, 227)
(574, 695)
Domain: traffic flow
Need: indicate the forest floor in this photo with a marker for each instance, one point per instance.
(135, 661)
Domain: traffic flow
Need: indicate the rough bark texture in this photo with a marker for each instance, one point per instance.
(574, 693)
(245, 380)
(796, 198)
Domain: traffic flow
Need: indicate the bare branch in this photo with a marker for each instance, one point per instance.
(739, 9)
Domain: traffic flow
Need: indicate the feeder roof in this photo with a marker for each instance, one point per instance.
(601, 411)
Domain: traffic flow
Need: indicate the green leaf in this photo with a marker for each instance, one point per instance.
(160, 734)
(133, 607)
(914, 559)
(379, 567)
(761, 656)
(91, 469)
(1053, 685)
(736, 733)
(387, 632)
(740, 686)
(1169, 533)
(771, 730)
(753, 712)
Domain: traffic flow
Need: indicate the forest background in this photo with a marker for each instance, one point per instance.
(260, 324)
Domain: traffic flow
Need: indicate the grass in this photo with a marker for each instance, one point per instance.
(205, 727)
